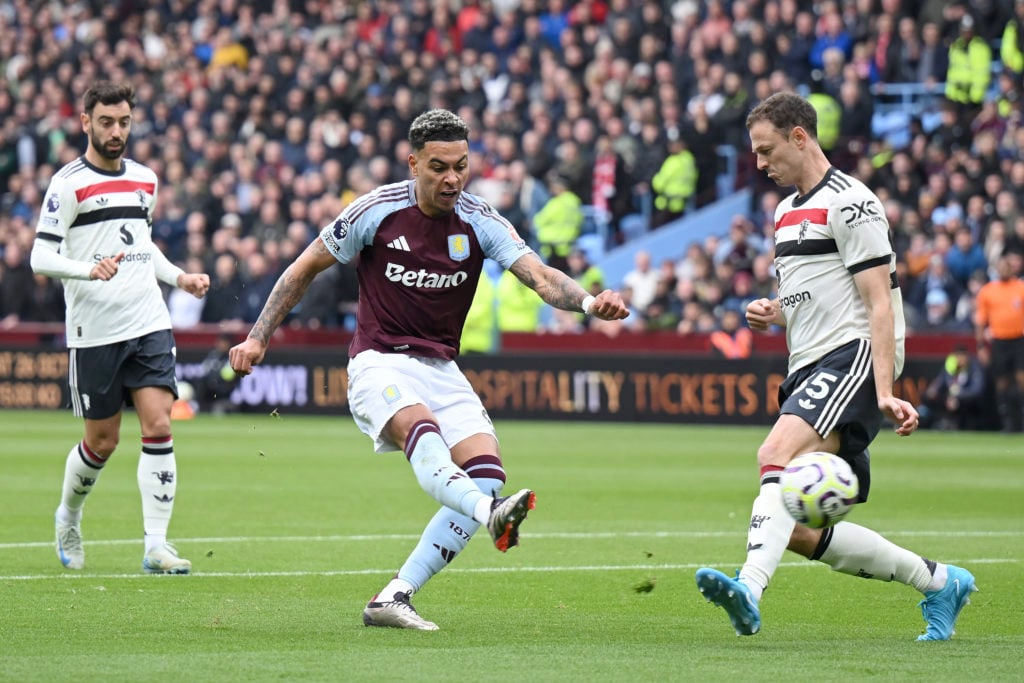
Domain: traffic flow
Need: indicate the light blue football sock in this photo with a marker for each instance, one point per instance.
(442, 479)
(448, 532)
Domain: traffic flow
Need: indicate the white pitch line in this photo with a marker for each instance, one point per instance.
(448, 570)
(587, 536)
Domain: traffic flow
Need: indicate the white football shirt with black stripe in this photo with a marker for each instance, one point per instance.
(821, 240)
(90, 213)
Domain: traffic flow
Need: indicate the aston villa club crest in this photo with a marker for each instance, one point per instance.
(458, 247)
(391, 393)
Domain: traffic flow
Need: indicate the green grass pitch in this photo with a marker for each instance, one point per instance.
(292, 523)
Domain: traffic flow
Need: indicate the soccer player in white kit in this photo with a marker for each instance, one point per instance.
(94, 233)
(421, 246)
(842, 309)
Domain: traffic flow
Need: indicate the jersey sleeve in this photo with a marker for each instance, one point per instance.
(163, 268)
(350, 232)
(60, 205)
(58, 211)
(861, 231)
(498, 237)
(151, 211)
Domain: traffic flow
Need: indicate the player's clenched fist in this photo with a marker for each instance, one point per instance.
(245, 355)
(196, 284)
(106, 268)
(763, 313)
(608, 305)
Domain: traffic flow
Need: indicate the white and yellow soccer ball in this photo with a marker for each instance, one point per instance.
(819, 489)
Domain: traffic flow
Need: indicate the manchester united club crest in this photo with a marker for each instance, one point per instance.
(143, 202)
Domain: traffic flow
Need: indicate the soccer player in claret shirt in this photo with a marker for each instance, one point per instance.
(94, 234)
(421, 245)
(843, 314)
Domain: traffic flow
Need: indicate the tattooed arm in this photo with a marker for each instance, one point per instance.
(287, 292)
(561, 291)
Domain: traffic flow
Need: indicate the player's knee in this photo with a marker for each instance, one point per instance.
(768, 454)
(103, 444)
(804, 540)
(158, 427)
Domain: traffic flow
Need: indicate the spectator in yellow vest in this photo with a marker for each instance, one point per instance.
(1011, 49)
(674, 184)
(830, 114)
(518, 307)
(479, 332)
(558, 223)
(970, 68)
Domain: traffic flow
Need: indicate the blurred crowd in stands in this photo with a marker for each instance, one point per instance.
(263, 119)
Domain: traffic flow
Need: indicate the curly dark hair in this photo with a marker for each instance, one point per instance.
(785, 111)
(105, 92)
(437, 125)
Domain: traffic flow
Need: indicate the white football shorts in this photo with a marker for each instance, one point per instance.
(381, 384)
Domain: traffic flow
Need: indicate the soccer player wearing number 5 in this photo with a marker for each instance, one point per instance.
(842, 310)
(94, 234)
(421, 246)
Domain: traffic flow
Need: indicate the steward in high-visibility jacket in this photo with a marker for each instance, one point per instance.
(970, 66)
(1011, 49)
(558, 223)
(830, 116)
(518, 305)
(479, 334)
(675, 182)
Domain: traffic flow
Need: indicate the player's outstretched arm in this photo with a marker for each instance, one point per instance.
(561, 291)
(287, 292)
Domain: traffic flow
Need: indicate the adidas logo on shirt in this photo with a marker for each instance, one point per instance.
(399, 243)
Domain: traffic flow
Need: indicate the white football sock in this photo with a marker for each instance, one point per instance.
(396, 585)
(81, 470)
(158, 481)
(770, 529)
(859, 551)
(939, 577)
(482, 511)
